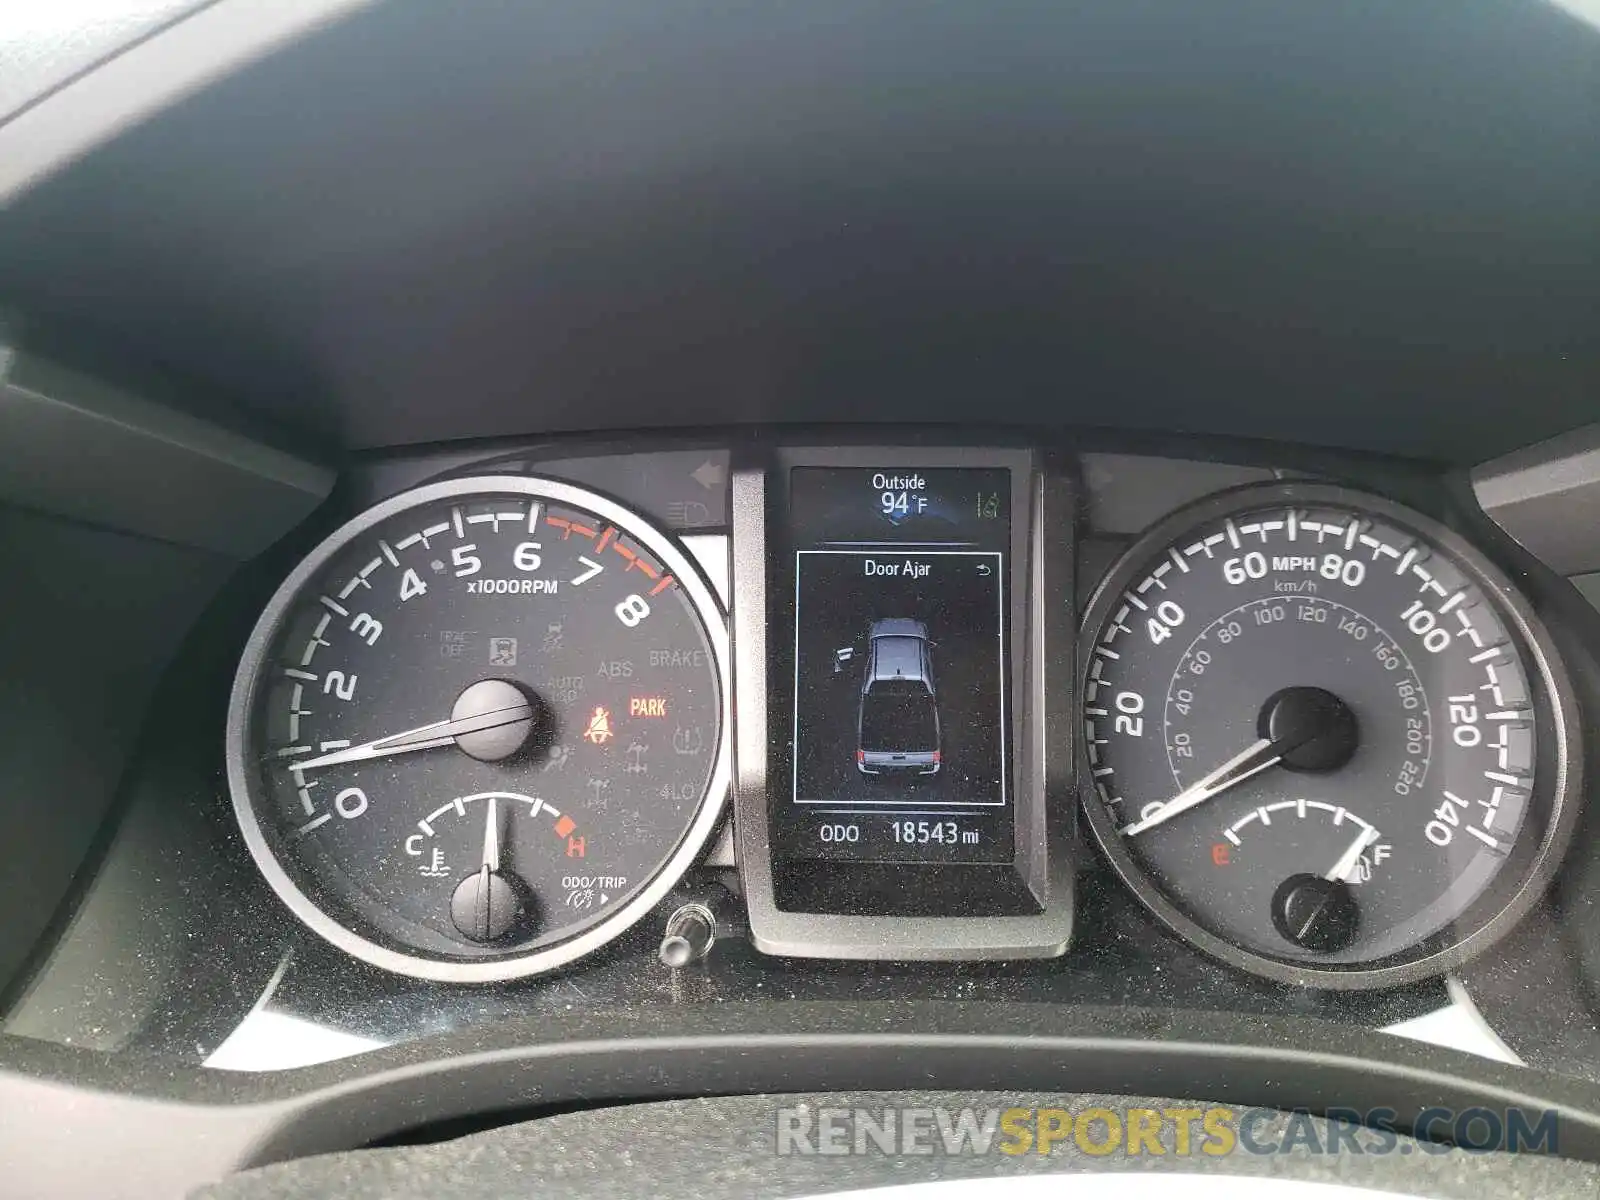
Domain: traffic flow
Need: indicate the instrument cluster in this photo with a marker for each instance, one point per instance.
(488, 724)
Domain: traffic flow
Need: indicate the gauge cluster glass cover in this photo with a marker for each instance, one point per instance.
(480, 730)
(1324, 739)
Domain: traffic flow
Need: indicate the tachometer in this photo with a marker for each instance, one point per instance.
(480, 730)
(1325, 739)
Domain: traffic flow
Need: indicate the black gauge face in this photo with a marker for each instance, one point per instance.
(480, 730)
(1324, 739)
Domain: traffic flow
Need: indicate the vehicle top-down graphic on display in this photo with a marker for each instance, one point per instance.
(898, 727)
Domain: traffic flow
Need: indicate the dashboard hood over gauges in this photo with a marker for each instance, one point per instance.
(1366, 225)
(561, 560)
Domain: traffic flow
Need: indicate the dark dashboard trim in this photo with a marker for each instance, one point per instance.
(1547, 497)
(208, 43)
(74, 445)
(161, 1130)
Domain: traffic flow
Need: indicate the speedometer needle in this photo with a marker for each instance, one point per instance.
(1347, 860)
(1305, 728)
(1252, 760)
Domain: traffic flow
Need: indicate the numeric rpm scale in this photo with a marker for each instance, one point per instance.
(1324, 739)
(480, 730)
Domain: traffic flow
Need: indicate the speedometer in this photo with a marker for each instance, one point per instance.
(1325, 739)
(480, 730)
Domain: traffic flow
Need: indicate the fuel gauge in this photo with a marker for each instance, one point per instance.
(1301, 867)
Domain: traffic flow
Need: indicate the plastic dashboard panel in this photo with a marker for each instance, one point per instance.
(1362, 225)
(73, 87)
(181, 1128)
(722, 1146)
(40, 52)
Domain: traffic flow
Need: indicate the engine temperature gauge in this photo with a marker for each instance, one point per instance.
(493, 898)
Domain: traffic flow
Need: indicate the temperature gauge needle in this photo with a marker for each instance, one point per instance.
(491, 837)
(1347, 861)
(486, 905)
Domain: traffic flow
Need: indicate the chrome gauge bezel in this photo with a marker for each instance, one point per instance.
(1520, 883)
(591, 938)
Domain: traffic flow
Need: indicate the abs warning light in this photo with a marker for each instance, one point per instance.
(647, 706)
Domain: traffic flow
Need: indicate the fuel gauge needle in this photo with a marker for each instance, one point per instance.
(1347, 861)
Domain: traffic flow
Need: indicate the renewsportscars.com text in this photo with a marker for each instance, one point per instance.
(1159, 1132)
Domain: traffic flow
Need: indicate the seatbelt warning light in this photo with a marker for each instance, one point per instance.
(598, 731)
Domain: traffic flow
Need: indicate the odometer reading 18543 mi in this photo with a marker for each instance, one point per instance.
(480, 730)
(1325, 739)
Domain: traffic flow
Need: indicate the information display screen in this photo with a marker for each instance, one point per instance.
(901, 666)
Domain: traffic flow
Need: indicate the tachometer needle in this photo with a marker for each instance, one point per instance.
(1347, 860)
(423, 737)
(1252, 760)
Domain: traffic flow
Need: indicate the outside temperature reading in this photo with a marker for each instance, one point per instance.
(903, 496)
(907, 501)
